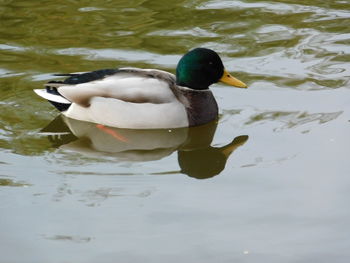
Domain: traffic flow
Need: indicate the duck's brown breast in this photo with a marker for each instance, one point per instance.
(201, 106)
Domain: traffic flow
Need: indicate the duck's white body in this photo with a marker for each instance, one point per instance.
(118, 113)
(129, 98)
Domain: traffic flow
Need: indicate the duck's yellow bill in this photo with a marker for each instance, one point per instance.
(230, 80)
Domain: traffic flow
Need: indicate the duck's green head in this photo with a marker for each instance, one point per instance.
(200, 68)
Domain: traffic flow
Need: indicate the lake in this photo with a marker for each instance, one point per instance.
(268, 182)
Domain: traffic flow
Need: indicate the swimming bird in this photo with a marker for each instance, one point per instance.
(137, 98)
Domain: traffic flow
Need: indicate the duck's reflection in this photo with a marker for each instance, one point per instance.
(209, 161)
(196, 157)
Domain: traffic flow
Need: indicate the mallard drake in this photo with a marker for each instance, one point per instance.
(144, 98)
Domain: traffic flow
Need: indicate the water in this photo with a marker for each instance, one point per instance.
(267, 183)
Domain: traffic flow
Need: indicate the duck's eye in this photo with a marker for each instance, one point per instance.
(210, 63)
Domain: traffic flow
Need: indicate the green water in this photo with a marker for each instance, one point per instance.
(268, 183)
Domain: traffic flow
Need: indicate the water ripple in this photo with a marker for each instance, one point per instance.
(124, 55)
(319, 13)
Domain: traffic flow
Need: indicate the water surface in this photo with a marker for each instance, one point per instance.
(267, 183)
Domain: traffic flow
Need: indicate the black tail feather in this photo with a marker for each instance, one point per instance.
(57, 105)
(60, 106)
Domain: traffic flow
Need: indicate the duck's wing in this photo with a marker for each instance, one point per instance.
(127, 84)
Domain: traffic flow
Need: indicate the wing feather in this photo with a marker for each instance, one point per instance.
(128, 84)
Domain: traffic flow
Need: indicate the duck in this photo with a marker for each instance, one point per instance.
(135, 98)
